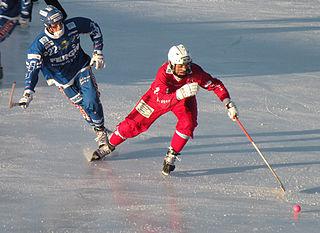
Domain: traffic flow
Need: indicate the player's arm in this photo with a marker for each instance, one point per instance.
(214, 84)
(33, 66)
(97, 59)
(85, 25)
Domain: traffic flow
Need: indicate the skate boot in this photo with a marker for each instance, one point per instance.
(102, 135)
(102, 151)
(105, 147)
(168, 162)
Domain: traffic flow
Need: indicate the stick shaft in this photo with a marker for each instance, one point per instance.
(261, 155)
(11, 95)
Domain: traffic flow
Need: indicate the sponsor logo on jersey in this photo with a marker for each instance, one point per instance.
(46, 42)
(71, 25)
(156, 91)
(208, 84)
(144, 109)
(66, 56)
(84, 80)
(64, 44)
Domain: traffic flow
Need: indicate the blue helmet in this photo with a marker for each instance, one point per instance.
(50, 15)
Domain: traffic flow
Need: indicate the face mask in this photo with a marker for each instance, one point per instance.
(56, 34)
(59, 33)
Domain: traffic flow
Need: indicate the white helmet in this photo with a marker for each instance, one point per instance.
(178, 54)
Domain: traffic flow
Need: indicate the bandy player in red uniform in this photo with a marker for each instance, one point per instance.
(174, 89)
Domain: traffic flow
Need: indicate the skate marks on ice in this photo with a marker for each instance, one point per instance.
(152, 209)
(87, 152)
(309, 201)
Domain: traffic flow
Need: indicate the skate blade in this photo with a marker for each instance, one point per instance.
(88, 152)
(165, 173)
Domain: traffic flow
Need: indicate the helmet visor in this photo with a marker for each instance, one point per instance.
(55, 27)
(185, 60)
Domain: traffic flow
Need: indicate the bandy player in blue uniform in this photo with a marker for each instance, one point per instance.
(13, 12)
(16, 10)
(57, 53)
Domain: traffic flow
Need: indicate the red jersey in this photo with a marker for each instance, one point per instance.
(163, 89)
(161, 98)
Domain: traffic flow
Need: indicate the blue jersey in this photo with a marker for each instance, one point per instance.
(61, 59)
(14, 8)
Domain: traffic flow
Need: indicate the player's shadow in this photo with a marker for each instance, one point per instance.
(230, 170)
(213, 148)
(311, 191)
(138, 154)
(262, 134)
(224, 148)
(304, 136)
(203, 148)
(311, 211)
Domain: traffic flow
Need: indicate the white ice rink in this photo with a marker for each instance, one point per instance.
(267, 53)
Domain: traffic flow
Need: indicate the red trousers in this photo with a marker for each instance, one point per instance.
(147, 110)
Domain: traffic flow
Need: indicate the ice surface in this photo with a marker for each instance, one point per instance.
(266, 52)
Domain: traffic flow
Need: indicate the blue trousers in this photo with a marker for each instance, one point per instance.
(84, 95)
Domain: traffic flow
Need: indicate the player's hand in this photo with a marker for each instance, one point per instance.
(232, 109)
(26, 98)
(187, 90)
(97, 60)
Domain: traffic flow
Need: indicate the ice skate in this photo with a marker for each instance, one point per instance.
(102, 152)
(102, 135)
(105, 147)
(168, 162)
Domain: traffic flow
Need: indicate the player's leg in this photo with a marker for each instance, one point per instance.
(84, 95)
(92, 105)
(186, 113)
(134, 124)
(139, 120)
